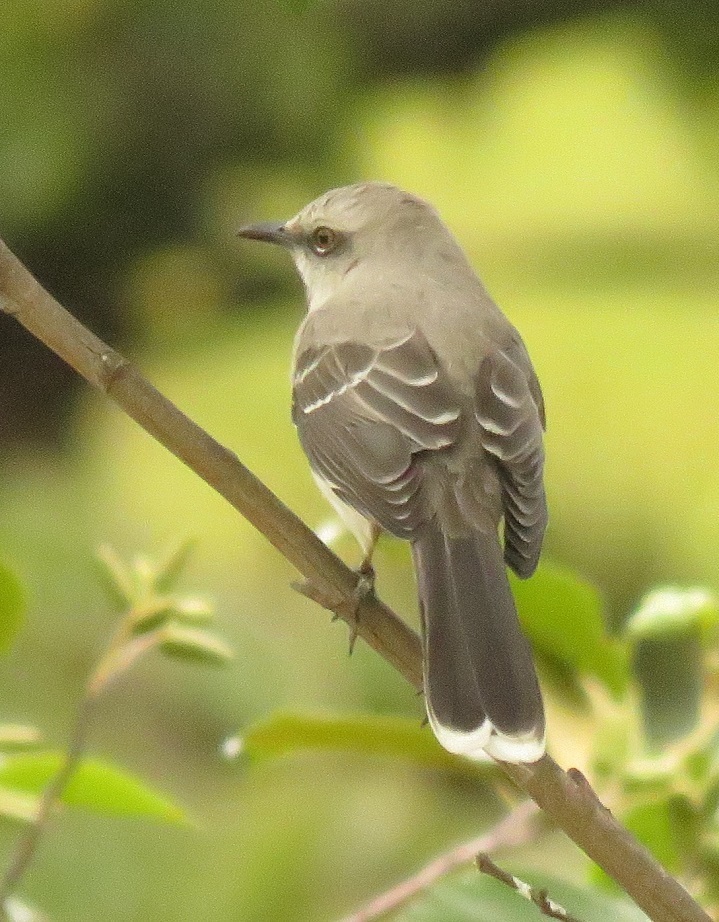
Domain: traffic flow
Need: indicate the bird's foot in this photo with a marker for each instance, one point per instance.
(364, 588)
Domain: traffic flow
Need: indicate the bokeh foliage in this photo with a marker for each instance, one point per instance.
(573, 149)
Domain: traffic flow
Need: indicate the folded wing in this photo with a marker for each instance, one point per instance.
(363, 412)
(510, 412)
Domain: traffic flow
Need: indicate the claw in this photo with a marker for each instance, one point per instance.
(364, 588)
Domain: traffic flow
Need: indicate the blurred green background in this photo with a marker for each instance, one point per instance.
(572, 147)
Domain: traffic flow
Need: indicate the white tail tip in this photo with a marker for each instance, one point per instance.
(487, 742)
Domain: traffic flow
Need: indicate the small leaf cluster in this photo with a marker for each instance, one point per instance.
(26, 768)
(660, 749)
(154, 617)
(145, 588)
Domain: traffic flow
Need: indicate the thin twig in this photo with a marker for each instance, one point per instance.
(539, 897)
(121, 654)
(517, 828)
(27, 846)
(569, 805)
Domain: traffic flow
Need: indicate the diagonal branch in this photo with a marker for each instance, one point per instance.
(566, 797)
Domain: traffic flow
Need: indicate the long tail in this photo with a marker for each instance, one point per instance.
(479, 678)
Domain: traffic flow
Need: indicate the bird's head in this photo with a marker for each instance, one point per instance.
(346, 229)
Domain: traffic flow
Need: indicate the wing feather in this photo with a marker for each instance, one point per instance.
(510, 411)
(362, 413)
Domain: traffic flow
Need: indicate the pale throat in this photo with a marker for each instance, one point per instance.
(320, 283)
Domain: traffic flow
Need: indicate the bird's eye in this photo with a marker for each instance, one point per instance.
(323, 240)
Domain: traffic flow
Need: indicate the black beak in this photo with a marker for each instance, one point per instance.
(270, 232)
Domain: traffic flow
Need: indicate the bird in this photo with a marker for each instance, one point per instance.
(419, 410)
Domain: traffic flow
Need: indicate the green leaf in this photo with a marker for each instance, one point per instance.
(653, 823)
(670, 611)
(397, 737)
(151, 612)
(563, 679)
(670, 675)
(562, 616)
(474, 897)
(669, 827)
(17, 736)
(12, 607)
(156, 609)
(195, 644)
(171, 565)
(195, 609)
(116, 577)
(96, 785)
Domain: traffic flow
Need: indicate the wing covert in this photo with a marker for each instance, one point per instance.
(362, 412)
(510, 412)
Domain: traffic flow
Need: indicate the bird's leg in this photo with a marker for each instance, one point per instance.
(364, 586)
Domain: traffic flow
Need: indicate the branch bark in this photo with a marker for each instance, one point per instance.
(566, 798)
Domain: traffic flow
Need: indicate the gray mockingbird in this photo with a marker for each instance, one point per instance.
(417, 405)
